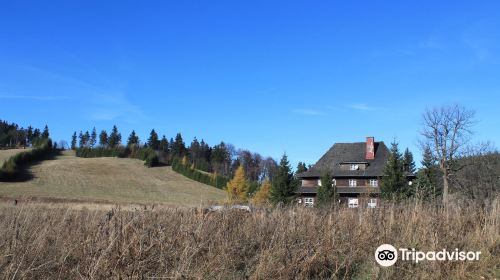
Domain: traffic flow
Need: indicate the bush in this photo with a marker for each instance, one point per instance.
(13, 166)
(146, 154)
(184, 167)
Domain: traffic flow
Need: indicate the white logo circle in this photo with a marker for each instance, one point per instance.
(386, 255)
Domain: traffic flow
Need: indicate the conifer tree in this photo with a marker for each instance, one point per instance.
(408, 162)
(133, 140)
(93, 138)
(36, 133)
(263, 195)
(393, 179)
(427, 177)
(81, 144)
(237, 188)
(327, 191)
(29, 135)
(115, 138)
(301, 168)
(153, 141)
(73, 141)
(178, 147)
(86, 137)
(103, 138)
(164, 144)
(45, 133)
(283, 186)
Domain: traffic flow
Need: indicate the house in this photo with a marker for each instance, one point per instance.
(356, 169)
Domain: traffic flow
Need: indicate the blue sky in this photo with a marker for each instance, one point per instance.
(269, 76)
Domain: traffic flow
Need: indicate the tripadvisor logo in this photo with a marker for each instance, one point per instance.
(386, 255)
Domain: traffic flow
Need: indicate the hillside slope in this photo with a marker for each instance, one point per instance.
(6, 154)
(112, 180)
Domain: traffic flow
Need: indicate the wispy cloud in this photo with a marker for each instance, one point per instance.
(362, 107)
(33, 97)
(110, 106)
(308, 112)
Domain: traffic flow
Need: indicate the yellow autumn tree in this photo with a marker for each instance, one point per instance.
(237, 188)
(263, 194)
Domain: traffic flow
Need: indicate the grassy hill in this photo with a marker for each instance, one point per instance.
(6, 154)
(114, 180)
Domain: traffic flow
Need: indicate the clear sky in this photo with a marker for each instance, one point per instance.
(269, 76)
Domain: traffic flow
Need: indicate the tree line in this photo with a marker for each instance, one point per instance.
(14, 136)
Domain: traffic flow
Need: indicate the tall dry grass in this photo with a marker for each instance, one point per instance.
(297, 243)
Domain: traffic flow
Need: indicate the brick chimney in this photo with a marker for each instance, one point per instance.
(370, 148)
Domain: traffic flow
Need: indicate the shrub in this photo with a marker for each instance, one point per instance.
(184, 167)
(13, 166)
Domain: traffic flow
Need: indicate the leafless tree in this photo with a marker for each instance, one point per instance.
(447, 130)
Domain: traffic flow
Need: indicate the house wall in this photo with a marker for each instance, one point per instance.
(310, 182)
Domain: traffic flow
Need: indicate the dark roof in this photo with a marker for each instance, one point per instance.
(348, 153)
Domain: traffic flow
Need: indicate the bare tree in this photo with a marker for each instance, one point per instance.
(447, 131)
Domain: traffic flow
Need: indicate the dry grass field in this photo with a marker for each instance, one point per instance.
(6, 154)
(295, 243)
(109, 180)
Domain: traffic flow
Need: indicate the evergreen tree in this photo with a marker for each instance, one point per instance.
(73, 141)
(29, 135)
(237, 188)
(93, 138)
(45, 133)
(427, 177)
(263, 195)
(327, 191)
(393, 181)
(86, 137)
(195, 151)
(36, 133)
(164, 144)
(133, 140)
(103, 138)
(178, 147)
(153, 141)
(408, 162)
(115, 138)
(283, 186)
(81, 142)
(301, 168)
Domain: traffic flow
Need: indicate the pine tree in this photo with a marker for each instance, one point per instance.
(103, 138)
(237, 188)
(73, 141)
(393, 180)
(408, 162)
(427, 177)
(86, 137)
(45, 133)
(93, 138)
(153, 141)
(115, 138)
(29, 135)
(133, 140)
(327, 191)
(36, 133)
(164, 144)
(301, 168)
(81, 143)
(178, 147)
(263, 195)
(283, 186)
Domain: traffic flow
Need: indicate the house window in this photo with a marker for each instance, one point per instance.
(309, 201)
(372, 203)
(353, 182)
(352, 202)
(354, 167)
(373, 183)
